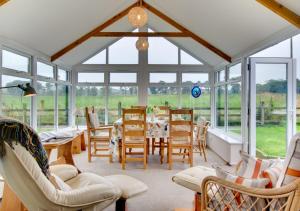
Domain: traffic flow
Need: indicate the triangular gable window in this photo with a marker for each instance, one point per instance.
(99, 58)
(186, 58)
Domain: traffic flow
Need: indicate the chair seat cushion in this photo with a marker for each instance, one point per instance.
(129, 186)
(64, 171)
(192, 178)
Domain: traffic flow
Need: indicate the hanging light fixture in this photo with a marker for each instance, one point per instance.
(138, 16)
(142, 44)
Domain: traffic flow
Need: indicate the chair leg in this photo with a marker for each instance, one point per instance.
(120, 151)
(121, 205)
(204, 153)
(191, 156)
(145, 156)
(161, 150)
(89, 151)
(153, 145)
(170, 157)
(123, 157)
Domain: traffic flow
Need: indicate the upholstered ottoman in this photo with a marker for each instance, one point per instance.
(192, 179)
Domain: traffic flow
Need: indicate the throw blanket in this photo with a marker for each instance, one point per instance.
(15, 131)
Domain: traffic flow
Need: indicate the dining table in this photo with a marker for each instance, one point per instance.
(157, 127)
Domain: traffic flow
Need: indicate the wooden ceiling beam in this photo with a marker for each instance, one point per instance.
(282, 11)
(3, 2)
(140, 34)
(91, 33)
(186, 31)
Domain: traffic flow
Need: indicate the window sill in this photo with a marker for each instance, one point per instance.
(228, 137)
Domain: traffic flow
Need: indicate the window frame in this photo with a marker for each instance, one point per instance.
(42, 78)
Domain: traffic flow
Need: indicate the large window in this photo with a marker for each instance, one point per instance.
(123, 78)
(186, 58)
(15, 61)
(45, 70)
(45, 105)
(162, 78)
(123, 52)
(62, 75)
(201, 105)
(90, 77)
(63, 105)
(12, 102)
(228, 99)
(120, 97)
(296, 55)
(99, 58)
(88, 96)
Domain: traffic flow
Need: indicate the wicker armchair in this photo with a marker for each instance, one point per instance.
(218, 194)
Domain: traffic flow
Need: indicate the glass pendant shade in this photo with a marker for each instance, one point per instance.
(137, 17)
(142, 44)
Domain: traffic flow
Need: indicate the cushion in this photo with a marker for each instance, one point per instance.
(192, 178)
(64, 171)
(129, 186)
(273, 173)
(291, 165)
(59, 183)
(251, 167)
(94, 120)
(254, 183)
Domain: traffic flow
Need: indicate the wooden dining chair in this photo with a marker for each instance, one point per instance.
(98, 136)
(201, 137)
(139, 107)
(134, 136)
(160, 142)
(180, 136)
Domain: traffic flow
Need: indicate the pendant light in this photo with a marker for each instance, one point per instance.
(138, 16)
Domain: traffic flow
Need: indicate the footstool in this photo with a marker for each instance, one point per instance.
(192, 179)
(129, 187)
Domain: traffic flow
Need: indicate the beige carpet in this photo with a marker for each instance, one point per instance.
(163, 194)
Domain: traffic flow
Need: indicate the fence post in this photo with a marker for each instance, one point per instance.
(262, 113)
(119, 110)
(24, 112)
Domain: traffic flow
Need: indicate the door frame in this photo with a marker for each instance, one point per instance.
(291, 98)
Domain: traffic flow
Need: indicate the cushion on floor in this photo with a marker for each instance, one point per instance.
(129, 186)
(192, 178)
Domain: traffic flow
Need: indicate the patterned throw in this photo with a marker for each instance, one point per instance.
(291, 166)
(15, 131)
(273, 173)
(251, 167)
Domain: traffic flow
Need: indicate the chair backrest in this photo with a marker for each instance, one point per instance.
(181, 124)
(164, 112)
(25, 178)
(201, 131)
(134, 124)
(139, 107)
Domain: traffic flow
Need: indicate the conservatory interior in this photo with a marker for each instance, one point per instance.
(150, 105)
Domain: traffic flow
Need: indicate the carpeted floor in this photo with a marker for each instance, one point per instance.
(163, 194)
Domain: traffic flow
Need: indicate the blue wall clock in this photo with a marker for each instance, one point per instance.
(196, 91)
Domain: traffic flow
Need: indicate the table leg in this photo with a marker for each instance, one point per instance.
(83, 146)
(10, 201)
(65, 151)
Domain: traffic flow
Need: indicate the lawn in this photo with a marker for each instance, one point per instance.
(270, 137)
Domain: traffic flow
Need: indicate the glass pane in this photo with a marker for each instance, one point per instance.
(221, 75)
(62, 75)
(220, 106)
(13, 104)
(14, 61)
(161, 51)
(164, 95)
(282, 49)
(271, 109)
(195, 78)
(201, 105)
(45, 106)
(90, 77)
(99, 58)
(235, 71)
(296, 55)
(120, 97)
(123, 51)
(45, 70)
(63, 105)
(163, 78)
(234, 108)
(186, 58)
(88, 96)
(122, 77)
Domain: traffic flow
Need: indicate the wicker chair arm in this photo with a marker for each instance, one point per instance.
(289, 193)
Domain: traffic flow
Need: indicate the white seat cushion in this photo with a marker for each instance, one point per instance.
(64, 171)
(192, 178)
(129, 186)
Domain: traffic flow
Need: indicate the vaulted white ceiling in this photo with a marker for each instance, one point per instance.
(48, 26)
